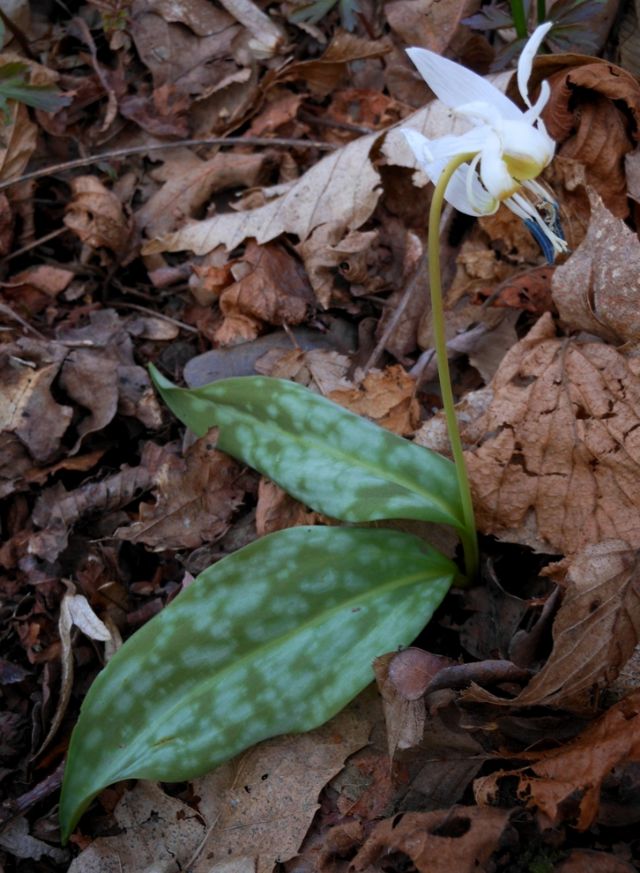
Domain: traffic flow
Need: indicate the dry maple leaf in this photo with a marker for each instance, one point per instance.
(557, 451)
(564, 784)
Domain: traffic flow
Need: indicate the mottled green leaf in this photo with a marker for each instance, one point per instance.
(275, 638)
(332, 460)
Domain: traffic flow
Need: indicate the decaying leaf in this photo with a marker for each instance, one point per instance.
(564, 783)
(96, 215)
(594, 114)
(387, 397)
(461, 839)
(261, 804)
(595, 630)
(277, 510)
(195, 497)
(158, 832)
(555, 461)
(598, 288)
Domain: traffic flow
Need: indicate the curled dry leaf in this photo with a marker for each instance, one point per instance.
(387, 397)
(594, 115)
(270, 287)
(564, 784)
(95, 214)
(195, 497)
(594, 632)
(556, 454)
(17, 141)
(461, 839)
(268, 37)
(598, 288)
(188, 182)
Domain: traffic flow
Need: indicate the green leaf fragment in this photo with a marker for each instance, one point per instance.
(330, 459)
(275, 638)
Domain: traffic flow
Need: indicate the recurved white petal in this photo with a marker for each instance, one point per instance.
(457, 193)
(495, 176)
(525, 61)
(455, 85)
(533, 113)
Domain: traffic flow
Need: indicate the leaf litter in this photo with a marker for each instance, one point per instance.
(511, 724)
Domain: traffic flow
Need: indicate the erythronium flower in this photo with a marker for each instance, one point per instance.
(507, 148)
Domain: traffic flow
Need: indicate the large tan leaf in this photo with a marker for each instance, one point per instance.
(557, 451)
(341, 190)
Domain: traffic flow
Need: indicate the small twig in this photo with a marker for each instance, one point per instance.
(12, 808)
(279, 142)
(330, 122)
(34, 244)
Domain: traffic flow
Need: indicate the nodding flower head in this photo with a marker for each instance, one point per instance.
(507, 148)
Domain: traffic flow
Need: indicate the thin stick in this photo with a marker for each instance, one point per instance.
(279, 142)
(34, 244)
(468, 531)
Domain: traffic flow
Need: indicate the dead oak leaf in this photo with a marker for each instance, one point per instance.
(598, 288)
(564, 784)
(557, 449)
(195, 497)
(461, 839)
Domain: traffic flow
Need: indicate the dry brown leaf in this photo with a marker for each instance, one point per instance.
(556, 456)
(319, 369)
(195, 497)
(598, 288)
(27, 408)
(462, 839)
(387, 397)
(95, 214)
(425, 23)
(323, 74)
(587, 860)
(188, 45)
(277, 510)
(342, 190)
(564, 784)
(159, 833)
(17, 139)
(188, 184)
(268, 37)
(594, 115)
(261, 804)
(57, 510)
(594, 632)
(270, 287)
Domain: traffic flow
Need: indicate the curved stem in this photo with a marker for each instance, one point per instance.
(468, 533)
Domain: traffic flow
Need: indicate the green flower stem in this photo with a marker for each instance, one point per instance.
(468, 536)
(519, 18)
(542, 11)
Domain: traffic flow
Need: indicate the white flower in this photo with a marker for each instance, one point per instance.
(507, 148)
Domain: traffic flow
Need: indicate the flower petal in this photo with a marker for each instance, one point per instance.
(533, 113)
(455, 85)
(433, 154)
(495, 176)
(525, 61)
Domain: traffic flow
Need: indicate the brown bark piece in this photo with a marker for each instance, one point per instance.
(556, 453)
